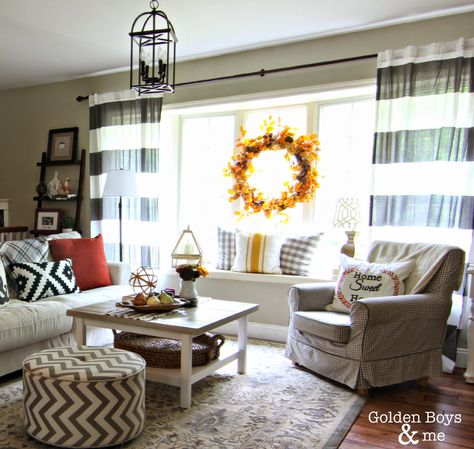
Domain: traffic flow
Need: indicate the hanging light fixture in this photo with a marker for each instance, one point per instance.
(152, 52)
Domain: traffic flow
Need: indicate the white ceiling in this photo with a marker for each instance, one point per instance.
(44, 41)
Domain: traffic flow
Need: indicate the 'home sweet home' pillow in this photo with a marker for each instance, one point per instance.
(359, 280)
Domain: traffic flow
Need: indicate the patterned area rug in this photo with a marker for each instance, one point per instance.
(273, 406)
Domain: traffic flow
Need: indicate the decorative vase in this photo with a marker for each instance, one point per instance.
(188, 290)
(54, 186)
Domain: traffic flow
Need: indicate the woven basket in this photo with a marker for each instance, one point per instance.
(165, 352)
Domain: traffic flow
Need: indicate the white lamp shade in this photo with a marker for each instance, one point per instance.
(120, 183)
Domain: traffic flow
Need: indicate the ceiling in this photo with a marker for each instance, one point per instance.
(45, 41)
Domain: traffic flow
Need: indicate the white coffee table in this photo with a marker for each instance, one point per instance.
(182, 324)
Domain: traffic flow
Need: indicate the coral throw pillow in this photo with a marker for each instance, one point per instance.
(88, 260)
(359, 280)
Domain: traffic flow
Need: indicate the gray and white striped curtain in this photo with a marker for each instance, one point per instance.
(124, 133)
(423, 161)
(424, 142)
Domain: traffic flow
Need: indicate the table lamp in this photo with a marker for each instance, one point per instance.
(347, 216)
(120, 183)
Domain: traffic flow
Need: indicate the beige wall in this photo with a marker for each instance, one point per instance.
(27, 114)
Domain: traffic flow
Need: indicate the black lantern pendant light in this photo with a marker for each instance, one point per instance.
(153, 52)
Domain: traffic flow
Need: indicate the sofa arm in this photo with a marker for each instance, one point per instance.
(310, 296)
(119, 272)
(393, 326)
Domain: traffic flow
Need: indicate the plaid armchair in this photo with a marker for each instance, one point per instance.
(384, 340)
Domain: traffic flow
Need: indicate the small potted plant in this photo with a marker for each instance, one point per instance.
(188, 274)
(67, 223)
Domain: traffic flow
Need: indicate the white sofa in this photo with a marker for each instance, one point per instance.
(27, 327)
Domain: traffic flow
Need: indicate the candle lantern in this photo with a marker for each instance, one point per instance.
(186, 250)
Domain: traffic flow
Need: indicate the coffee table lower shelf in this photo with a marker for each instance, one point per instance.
(172, 376)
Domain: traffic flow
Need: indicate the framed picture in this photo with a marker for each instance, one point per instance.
(62, 144)
(48, 220)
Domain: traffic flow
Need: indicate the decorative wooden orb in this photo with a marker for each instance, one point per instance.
(143, 280)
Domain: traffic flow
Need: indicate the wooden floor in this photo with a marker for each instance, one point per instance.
(447, 394)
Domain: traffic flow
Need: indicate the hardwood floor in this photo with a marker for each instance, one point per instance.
(445, 397)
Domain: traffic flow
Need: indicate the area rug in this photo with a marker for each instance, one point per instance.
(273, 406)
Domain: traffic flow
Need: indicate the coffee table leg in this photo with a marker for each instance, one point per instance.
(186, 370)
(242, 345)
(80, 333)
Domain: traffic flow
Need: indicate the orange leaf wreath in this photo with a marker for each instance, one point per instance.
(302, 153)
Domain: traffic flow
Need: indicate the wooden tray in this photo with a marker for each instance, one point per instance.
(127, 301)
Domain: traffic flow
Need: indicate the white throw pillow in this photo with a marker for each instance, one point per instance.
(359, 280)
(257, 253)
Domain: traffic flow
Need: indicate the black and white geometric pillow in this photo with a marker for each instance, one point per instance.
(4, 299)
(297, 253)
(36, 280)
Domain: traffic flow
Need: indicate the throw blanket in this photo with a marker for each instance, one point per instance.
(428, 259)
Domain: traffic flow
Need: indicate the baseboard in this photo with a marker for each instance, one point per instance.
(258, 330)
(461, 358)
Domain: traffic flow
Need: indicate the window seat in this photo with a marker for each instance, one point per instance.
(255, 277)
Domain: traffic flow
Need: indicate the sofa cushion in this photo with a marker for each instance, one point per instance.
(36, 280)
(332, 326)
(4, 299)
(88, 260)
(109, 293)
(23, 323)
(359, 280)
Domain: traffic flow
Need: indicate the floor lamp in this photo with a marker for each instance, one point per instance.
(120, 183)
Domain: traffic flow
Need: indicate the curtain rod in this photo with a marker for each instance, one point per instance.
(264, 72)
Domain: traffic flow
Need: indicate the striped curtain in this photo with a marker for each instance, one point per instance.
(423, 160)
(124, 133)
(424, 143)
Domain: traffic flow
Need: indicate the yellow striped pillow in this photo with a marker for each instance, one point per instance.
(257, 253)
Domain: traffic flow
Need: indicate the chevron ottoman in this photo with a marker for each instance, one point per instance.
(83, 396)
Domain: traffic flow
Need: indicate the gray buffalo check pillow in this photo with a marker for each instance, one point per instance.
(297, 252)
(226, 249)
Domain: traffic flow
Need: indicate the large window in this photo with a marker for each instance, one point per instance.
(204, 140)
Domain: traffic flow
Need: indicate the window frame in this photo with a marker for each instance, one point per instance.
(310, 97)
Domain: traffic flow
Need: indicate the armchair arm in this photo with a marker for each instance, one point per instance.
(310, 296)
(397, 325)
(119, 272)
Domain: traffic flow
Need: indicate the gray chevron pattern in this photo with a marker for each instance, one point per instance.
(83, 397)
